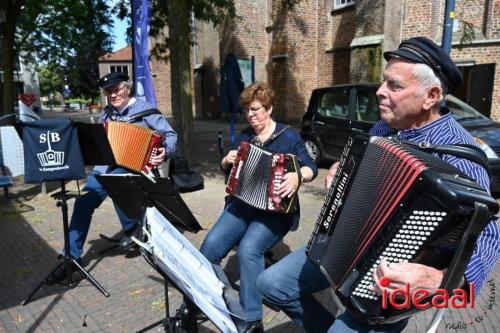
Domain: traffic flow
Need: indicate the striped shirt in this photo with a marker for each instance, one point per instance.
(446, 130)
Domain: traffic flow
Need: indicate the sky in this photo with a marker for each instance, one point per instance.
(119, 32)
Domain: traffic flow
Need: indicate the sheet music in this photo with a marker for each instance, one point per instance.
(189, 270)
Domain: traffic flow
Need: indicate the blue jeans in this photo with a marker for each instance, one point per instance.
(289, 285)
(84, 208)
(346, 323)
(256, 231)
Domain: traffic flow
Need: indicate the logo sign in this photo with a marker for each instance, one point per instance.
(27, 99)
(50, 158)
(402, 298)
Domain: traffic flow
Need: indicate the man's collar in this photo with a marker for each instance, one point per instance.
(412, 132)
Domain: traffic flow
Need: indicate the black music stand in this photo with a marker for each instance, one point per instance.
(133, 194)
(90, 155)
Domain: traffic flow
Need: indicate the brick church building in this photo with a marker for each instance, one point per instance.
(326, 42)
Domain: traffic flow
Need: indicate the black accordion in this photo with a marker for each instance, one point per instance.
(394, 202)
(256, 175)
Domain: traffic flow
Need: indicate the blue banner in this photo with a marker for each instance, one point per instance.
(142, 76)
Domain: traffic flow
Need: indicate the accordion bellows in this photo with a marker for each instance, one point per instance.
(256, 176)
(133, 145)
(395, 203)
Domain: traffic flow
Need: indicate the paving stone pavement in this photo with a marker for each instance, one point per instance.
(32, 236)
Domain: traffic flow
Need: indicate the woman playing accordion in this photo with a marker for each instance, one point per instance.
(254, 229)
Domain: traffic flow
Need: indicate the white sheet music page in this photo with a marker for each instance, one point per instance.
(188, 269)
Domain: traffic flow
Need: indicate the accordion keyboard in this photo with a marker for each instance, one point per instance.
(408, 240)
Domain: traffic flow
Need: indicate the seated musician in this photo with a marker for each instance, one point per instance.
(256, 231)
(121, 106)
(416, 77)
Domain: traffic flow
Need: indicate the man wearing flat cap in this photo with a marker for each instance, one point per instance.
(417, 76)
(121, 107)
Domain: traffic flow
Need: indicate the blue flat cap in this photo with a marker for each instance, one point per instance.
(112, 79)
(424, 51)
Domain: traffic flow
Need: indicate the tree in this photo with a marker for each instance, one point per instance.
(50, 78)
(176, 15)
(8, 30)
(65, 32)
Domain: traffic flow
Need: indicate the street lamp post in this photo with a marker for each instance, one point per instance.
(449, 16)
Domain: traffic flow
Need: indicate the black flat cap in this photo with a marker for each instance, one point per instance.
(112, 79)
(424, 51)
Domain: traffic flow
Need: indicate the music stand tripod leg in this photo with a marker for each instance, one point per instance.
(67, 260)
(33, 292)
(89, 277)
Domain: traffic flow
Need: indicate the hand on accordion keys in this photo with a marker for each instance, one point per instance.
(159, 157)
(392, 276)
(289, 185)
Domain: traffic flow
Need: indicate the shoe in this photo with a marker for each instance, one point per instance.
(60, 274)
(126, 241)
(254, 327)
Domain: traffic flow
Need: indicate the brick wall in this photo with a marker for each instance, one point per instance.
(284, 46)
(161, 82)
(310, 47)
(425, 18)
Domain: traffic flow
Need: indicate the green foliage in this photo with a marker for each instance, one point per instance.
(215, 11)
(64, 37)
(50, 78)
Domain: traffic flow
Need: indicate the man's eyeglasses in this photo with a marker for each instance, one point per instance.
(116, 91)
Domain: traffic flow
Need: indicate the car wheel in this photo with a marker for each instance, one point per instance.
(313, 150)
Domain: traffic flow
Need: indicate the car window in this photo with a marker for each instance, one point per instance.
(367, 106)
(334, 103)
(461, 110)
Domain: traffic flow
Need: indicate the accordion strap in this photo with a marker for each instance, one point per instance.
(275, 135)
(467, 151)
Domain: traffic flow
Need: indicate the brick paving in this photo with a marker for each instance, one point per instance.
(31, 238)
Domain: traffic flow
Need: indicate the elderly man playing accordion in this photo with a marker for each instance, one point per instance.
(121, 107)
(415, 79)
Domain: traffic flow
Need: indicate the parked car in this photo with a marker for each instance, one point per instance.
(334, 111)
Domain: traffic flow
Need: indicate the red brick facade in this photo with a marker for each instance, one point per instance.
(314, 45)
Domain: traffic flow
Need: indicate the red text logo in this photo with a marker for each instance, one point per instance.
(402, 298)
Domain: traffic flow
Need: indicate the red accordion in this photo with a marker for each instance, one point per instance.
(256, 175)
(133, 145)
(391, 202)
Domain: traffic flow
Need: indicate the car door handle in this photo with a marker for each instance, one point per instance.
(319, 122)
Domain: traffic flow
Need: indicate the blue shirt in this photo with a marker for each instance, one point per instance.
(446, 130)
(156, 122)
(287, 142)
